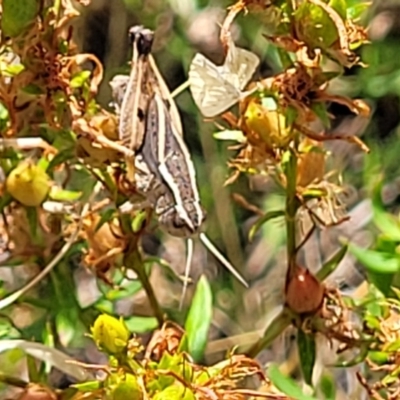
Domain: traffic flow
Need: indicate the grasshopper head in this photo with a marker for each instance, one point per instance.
(142, 37)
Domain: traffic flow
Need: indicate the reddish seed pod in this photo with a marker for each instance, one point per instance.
(304, 292)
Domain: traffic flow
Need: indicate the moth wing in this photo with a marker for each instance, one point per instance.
(210, 87)
(240, 64)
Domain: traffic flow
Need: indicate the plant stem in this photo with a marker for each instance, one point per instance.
(291, 210)
(12, 381)
(133, 260)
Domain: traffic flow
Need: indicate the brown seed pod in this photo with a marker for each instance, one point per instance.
(304, 293)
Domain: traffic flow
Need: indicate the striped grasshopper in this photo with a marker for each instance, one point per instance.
(163, 171)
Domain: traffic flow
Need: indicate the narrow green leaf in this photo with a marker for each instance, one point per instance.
(141, 324)
(138, 221)
(306, 347)
(382, 281)
(374, 261)
(199, 319)
(122, 293)
(387, 223)
(262, 220)
(106, 216)
(12, 70)
(89, 386)
(356, 360)
(33, 369)
(32, 217)
(328, 387)
(286, 385)
(273, 330)
(79, 79)
(355, 11)
(330, 265)
(58, 194)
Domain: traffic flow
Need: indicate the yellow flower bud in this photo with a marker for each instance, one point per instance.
(110, 334)
(28, 184)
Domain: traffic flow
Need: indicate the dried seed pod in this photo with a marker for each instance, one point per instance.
(304, 292)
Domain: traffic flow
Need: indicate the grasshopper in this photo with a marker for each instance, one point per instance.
(163, 171)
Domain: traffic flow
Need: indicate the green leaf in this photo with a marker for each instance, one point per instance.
(79, 79)
(374, 261)
(356, 360)
(340, 7)
(33, 89)
(315, 26)
(5, 201)
(12, 70)
(141, 324)
(356, 10)
(89, 386)
(273, 330)
(286, 385)
(61, 157)
(306, 347)
(138, 220)
(291, 116)
(122, 293)
(199, 319)
(58, 194)
(383, 282)
(33, 369)
(330, 265)
(32, 216)
(17, 15)
(106, 216)
(328, 387)
(262, 220)
(387, 223)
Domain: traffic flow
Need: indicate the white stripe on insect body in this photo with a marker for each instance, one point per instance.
(163, 151)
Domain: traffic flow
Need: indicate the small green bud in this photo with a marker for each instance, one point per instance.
(110, 334)
(28, 184)
(125, 387)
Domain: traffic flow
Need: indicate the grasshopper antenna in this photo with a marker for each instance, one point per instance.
(210, 246)
(189, 258)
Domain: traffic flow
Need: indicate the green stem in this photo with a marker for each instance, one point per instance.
(133, 260)
(291, 210)
(12, 381)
